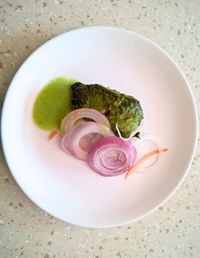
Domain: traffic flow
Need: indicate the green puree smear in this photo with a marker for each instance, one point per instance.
(53, 103)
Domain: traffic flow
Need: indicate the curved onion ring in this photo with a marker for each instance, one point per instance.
(144, 145)
(111, 156)
(71, 141)
(70, 120)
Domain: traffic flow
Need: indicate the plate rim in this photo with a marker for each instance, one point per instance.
(187, 87)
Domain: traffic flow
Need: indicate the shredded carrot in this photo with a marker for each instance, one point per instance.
(142, 159)
(52, 135)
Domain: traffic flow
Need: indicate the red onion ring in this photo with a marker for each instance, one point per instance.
(69, 121)
(71, 141)
(111, 156)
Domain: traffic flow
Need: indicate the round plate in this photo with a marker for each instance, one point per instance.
(66, 187)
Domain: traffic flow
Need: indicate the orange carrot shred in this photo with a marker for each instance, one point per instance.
(52, 135)
(142, 159)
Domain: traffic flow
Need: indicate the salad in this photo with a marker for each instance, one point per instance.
(97, 124)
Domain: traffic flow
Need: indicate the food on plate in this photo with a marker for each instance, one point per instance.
(52, 134)
(111, 156)
(78, 115)
(97, 125)
(53, 103)
(121, 110)
(143, 159)
(75, 143)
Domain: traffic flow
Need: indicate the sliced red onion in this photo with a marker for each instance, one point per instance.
(71, 120)
(146, 144)
(89, 139)
(74, 142)
(111, 156)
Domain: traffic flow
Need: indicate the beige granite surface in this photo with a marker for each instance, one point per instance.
(174, 229)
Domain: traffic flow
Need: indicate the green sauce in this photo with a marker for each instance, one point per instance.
(53, 103)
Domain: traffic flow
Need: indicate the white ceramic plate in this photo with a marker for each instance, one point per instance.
(66, 187)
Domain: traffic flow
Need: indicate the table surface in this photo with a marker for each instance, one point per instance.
(171, 231)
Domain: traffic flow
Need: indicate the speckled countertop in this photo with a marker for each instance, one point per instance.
(174, 229)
